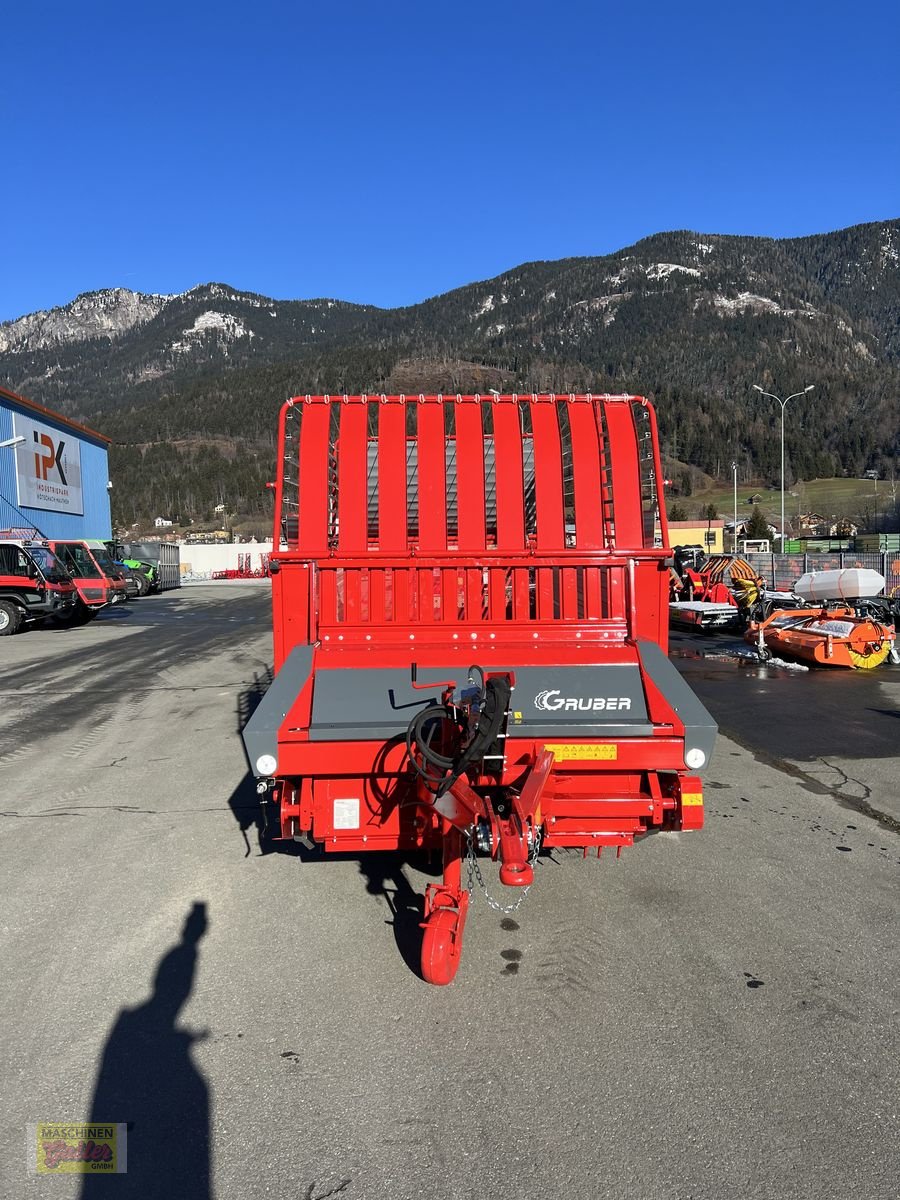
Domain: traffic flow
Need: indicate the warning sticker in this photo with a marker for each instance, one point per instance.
(691, 798)
(585, 752)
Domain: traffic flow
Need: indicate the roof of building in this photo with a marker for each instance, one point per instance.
(33, 406)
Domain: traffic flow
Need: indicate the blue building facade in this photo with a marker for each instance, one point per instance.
(54, 473)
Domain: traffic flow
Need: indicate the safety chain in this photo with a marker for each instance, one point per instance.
(474, 872)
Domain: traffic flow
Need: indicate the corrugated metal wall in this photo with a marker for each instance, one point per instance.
(96, 521)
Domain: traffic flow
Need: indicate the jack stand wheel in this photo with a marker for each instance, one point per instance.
(442, 945)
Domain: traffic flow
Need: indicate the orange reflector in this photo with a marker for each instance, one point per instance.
(691, 798)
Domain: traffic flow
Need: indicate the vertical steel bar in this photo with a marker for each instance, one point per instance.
(548, 476)
(545, 605)
(376, 596)
(586, 469)
(327, 605)
(521, 594)
(432, 467)
(392, 537)
(279, 473)
(352, 595)
(474, 593)
(470, 477)
(425, 584)
(312, 539)
(509, 482)
(352, 497)
(623, 453)
(569, 588)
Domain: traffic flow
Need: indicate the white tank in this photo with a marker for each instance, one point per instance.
(855, 583)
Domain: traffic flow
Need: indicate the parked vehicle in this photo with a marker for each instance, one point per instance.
(34, 585)
(98, 583)
(134, 586)
(160, 561)
(452, 675)
(115, 571)
(146, 573)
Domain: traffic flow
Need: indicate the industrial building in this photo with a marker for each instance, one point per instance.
(54, 472)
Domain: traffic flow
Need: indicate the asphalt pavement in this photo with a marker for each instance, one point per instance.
(713, 1015)
(837, 731)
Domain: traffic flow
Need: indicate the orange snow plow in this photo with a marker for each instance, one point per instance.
(835, 637)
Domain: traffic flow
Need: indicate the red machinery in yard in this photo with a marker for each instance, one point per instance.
(470, 637)
(245, 568)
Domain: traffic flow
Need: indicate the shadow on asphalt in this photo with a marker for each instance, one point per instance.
(111, 615)
(146, 1079)
(382, 870)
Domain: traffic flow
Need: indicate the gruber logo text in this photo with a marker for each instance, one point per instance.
(553, 701)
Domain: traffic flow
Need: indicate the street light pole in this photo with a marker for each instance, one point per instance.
(784, 404)
(734, 530)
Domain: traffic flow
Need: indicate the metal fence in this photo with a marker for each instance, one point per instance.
(781, 571)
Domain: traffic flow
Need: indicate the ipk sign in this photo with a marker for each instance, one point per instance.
(48, 467)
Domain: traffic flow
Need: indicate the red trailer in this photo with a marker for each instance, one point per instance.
(470, 637)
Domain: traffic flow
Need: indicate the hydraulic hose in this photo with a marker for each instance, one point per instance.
(446, 769)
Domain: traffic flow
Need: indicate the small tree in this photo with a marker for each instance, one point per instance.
(677, 512)
(709, 512)
(757, 526)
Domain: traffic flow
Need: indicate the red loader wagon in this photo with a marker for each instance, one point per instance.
(470, 637)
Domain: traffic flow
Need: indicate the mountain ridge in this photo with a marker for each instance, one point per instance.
(690, 319)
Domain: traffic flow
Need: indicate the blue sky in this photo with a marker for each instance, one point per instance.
(386, 152)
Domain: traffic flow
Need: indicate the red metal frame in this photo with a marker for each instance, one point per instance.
(435, 529)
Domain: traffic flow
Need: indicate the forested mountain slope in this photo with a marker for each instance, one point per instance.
(189, 385)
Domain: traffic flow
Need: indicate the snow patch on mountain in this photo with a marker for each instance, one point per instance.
(664, 270)
(227, 327)
(889, 251)
(745, 300)
(606, 305)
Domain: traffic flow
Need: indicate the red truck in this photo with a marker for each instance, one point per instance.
(96, 579)
(34, 585)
